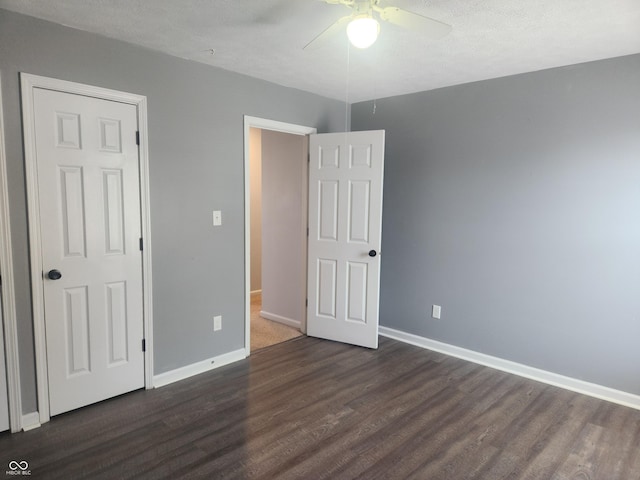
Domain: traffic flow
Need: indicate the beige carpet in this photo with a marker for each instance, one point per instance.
(265, 333)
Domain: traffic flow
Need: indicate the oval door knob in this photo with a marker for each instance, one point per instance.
(372, 253)
(54, 274)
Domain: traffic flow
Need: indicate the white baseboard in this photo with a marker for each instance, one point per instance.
(280, 319)
(580, 386)
(196, 368)
(30, 421)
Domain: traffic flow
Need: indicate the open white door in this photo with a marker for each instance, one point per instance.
(345, 229)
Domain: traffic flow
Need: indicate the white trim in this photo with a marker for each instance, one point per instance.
(280, 319)
(30, 421)
(274, 125)
(265, 124)
(145, 211)
(42, 385)
(575, 385)
(197, 368)
(304, 239)
(28, 83)
(8, 292)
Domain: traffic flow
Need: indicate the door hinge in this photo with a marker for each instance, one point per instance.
(307, 231)
(141, 246)
(144, 345)
(306, 302)
(308, 157)
(137, 137)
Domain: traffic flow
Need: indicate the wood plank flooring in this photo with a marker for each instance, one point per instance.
(312, 409)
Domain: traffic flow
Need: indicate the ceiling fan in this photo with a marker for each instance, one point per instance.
(363, 28)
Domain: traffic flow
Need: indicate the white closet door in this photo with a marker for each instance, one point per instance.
(89, 202)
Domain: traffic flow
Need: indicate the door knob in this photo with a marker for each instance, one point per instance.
(54, 274)
(372, 253)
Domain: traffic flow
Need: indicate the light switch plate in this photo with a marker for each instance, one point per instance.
(217, 218)
(435, 311)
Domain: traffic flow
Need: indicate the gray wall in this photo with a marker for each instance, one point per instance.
(196, 166)
(284, 161)
(515, 204)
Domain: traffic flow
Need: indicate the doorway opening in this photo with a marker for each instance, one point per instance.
(341, 236)
(278, 247)
(276, 169)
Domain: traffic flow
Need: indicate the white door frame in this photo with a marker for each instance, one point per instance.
(264, 124)
(8, 292)
(28, 84)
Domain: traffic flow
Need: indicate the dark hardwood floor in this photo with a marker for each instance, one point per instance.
(312, 409)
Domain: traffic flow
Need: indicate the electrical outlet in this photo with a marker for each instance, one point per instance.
(435, 311)
(217, 323)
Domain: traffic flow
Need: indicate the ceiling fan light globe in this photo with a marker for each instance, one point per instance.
(363, 31)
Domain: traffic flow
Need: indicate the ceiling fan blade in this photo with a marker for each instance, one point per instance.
(327, 34)
(413, 21)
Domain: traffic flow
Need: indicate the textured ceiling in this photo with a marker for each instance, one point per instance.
(264, 38)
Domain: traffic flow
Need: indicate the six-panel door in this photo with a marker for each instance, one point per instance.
(89, 200)
(345, 224)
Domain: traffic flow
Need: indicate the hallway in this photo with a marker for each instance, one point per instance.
(265, 333)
